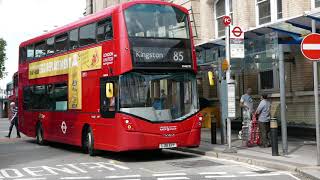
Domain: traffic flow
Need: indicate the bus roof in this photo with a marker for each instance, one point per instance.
(94, 17)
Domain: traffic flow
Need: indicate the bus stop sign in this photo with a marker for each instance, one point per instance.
(310, 47)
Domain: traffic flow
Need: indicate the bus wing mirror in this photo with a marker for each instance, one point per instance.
(109, 90)
(211, 78)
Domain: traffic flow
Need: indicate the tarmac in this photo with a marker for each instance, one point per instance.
(301, 157)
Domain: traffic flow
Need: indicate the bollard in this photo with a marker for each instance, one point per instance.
(274, 136)
(213, 130)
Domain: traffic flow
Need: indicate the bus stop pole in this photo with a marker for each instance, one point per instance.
(316, 97)
(227, 40)
(283, 101)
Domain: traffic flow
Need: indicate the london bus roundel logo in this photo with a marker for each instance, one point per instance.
(64, 127)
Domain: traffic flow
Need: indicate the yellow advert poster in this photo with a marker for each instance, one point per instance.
(72, 64)
(90, 59)
(74, 82)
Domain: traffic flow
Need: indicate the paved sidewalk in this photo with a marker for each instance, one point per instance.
(301, 157)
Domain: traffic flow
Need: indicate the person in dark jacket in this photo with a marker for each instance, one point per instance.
(13, 119)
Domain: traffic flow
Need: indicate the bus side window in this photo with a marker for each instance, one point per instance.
(73, 39)
(26, 98)
(23, 54)
(108, 104)
(62, 42)
(104, 30)
(40, 49)
(30, 52)
(50, 46)
(87, 34)
(60, 97)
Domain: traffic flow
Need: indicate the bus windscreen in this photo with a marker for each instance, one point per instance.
(156, 21)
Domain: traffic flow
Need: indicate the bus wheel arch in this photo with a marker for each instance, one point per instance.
(87, 140)
(39, 134)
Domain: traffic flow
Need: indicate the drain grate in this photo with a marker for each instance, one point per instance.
(193, 164)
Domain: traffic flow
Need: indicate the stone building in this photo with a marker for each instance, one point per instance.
(266, 23)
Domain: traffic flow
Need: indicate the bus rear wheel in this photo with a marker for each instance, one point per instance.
(88, 145)
(39, 135)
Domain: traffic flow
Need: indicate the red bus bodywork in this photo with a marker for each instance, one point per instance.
(109, 133)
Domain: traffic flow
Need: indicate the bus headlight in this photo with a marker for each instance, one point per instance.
(129, 124)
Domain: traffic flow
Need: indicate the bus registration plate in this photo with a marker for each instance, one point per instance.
(167, 145)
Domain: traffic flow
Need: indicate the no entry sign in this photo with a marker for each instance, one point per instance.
(310, 47)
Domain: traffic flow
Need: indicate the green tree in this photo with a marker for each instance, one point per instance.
(3, 58)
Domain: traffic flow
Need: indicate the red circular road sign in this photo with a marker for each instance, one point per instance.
(237, 32)
(226, 20)
(310, 47)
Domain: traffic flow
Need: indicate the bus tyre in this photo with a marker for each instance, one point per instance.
(39, 135)
(89, 142)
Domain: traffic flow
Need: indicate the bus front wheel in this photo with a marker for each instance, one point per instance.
(39, 135)
(89, 142)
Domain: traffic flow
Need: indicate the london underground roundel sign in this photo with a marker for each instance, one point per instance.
(310, 47)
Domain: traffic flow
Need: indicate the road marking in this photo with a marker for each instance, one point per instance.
(127, 176)
(173, 178)
(168, 174)
(259, 175)
(226, 176)
(213, 173)
(30, 179)
(291, 175)
(246, 172)
(76, 178)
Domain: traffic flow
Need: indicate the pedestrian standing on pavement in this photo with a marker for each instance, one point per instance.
(14, 119)
(246, 103)
(263, 112)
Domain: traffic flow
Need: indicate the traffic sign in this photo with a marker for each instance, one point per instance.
(310, 47)
(226, 20)
(236, 33)
(236, 42)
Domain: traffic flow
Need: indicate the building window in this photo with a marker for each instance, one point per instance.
(316, 3)
(279, 9)
(220, 12)
(266, 80)
(268, 11)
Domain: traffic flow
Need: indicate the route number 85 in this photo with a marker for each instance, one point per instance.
(178, 56)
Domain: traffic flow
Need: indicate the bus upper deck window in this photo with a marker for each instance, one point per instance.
(104, 30)
(87, 34)
(40, 49)
(62, 42)
(30, 52)
(73, 39)
(50, 46)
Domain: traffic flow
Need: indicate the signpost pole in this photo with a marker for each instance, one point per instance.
(227, 42)
(316, 98)
(283, 101)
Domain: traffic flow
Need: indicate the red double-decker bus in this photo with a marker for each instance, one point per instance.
(121, 79)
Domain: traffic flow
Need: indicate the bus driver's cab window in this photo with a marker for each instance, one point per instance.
(108, 96)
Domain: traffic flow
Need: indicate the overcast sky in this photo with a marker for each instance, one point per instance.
(21, 20)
